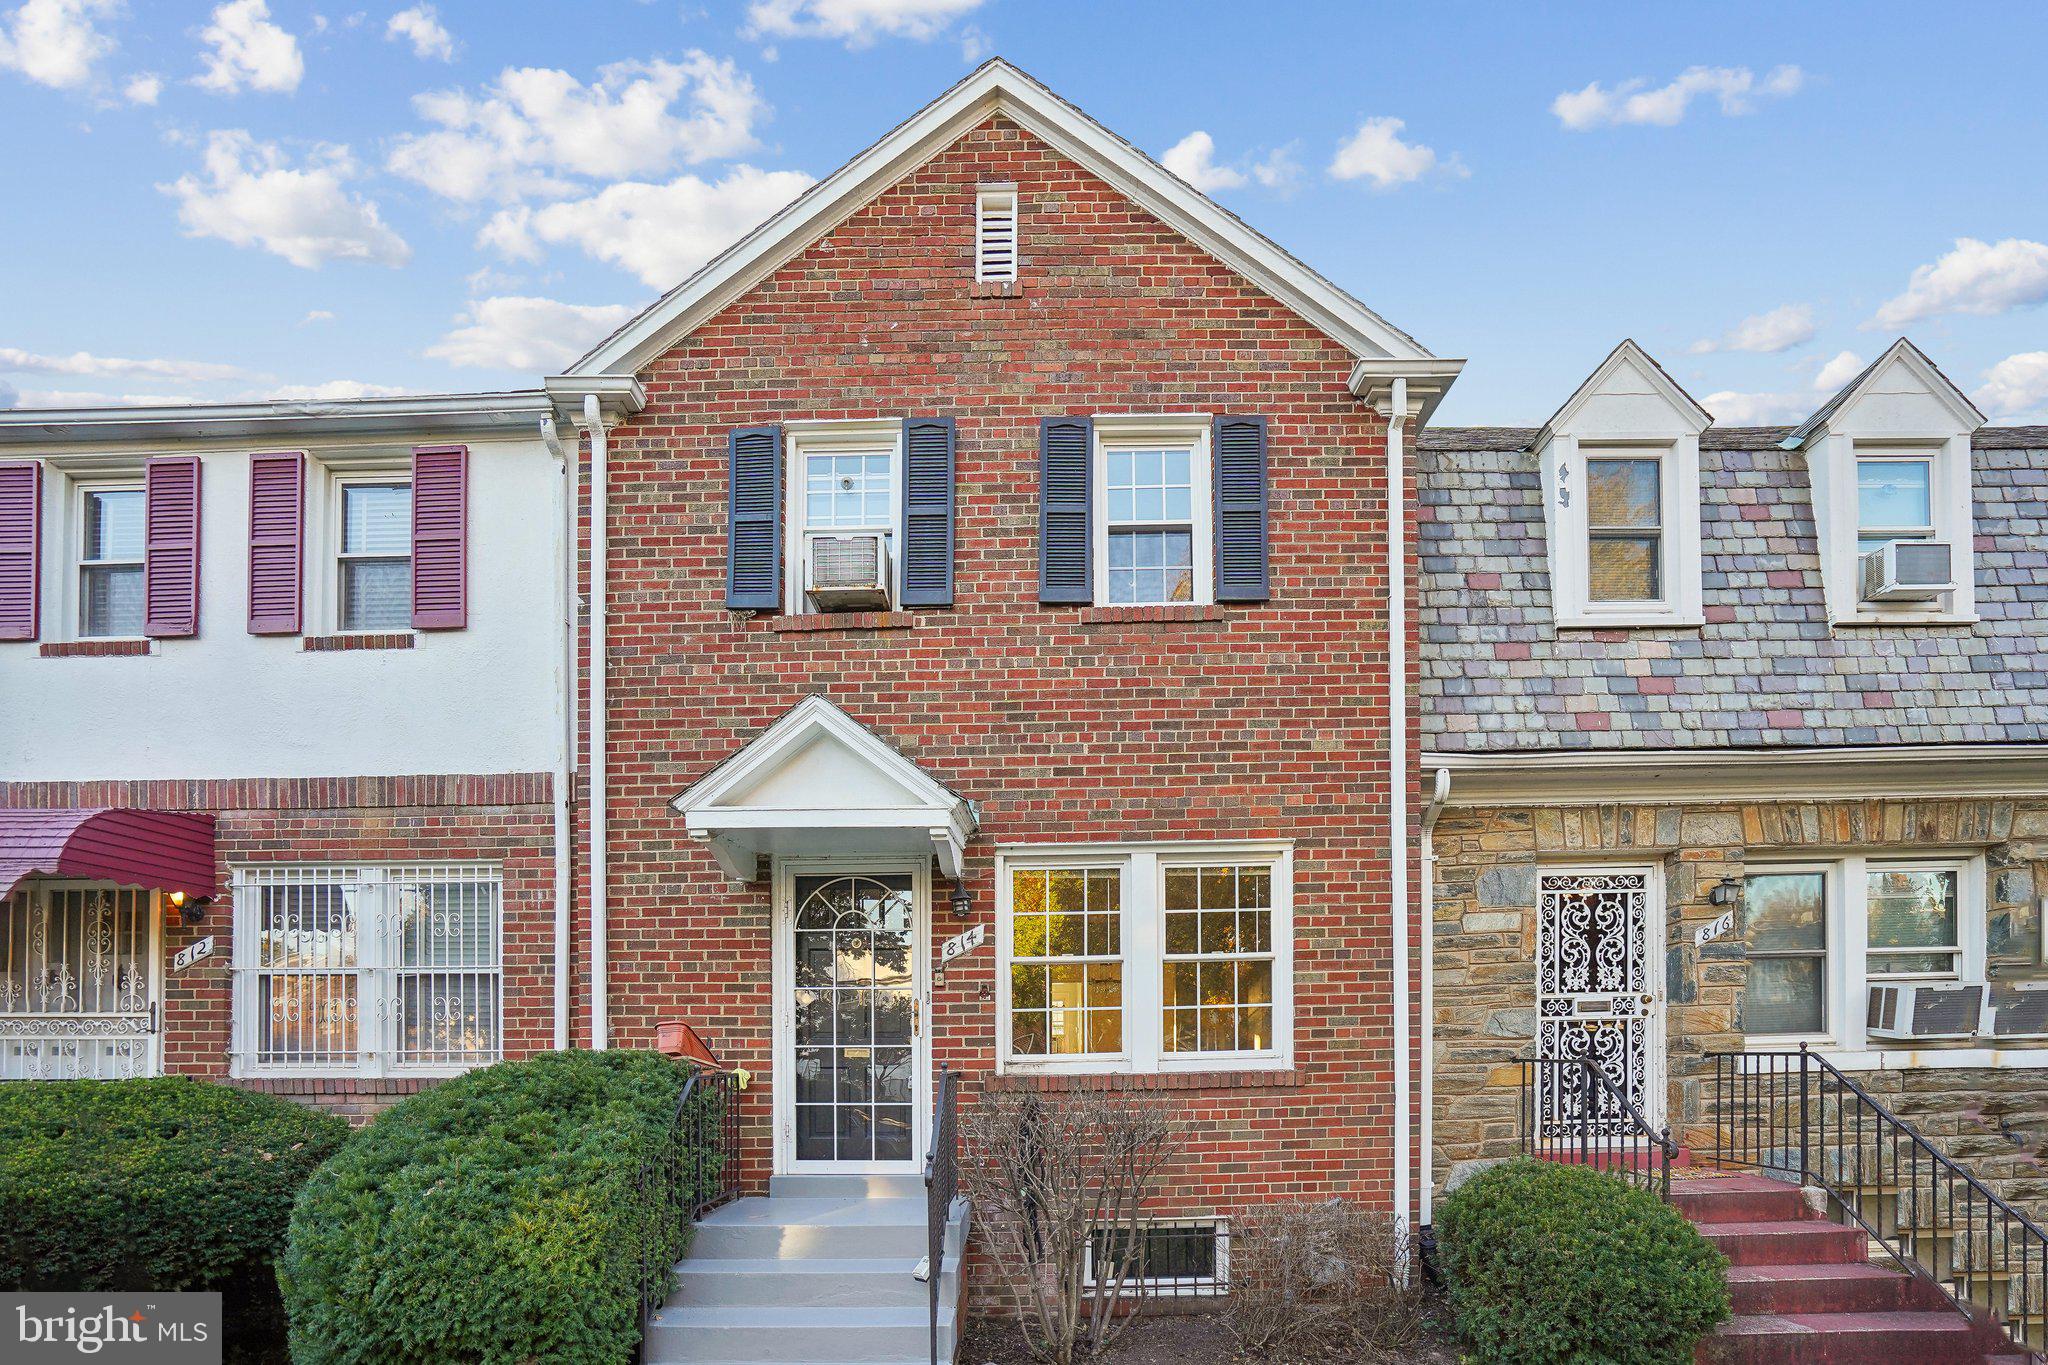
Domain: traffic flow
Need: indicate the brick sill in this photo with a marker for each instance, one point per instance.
(97, 649)
(1133, 616)
(327, 644)
(991, 289)
(1165, 1080)
(847, 620)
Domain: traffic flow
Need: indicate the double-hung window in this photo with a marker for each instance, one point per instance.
(1894, 500)
(367, 970)
(374, 562)
(843, 479)
(1145, 958)
(1785, 911)
(110, 561)
(1624, 528)
(1153, 547)
(1912, 926)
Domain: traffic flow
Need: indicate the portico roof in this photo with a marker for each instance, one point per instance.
(818, 782)
(167, 850)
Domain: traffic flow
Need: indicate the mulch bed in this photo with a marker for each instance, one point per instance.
(1194, 1339)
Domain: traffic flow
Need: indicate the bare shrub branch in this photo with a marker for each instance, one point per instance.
(1325, 1276)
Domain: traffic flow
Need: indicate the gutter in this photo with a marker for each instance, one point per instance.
(1397, 765)
(600, 514)
(1437, 798)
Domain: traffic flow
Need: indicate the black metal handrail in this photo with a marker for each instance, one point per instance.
(1571, 1110)
(694, 1170)
(941, 1184)
(1797, 1114)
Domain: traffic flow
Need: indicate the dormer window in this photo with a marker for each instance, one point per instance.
(995, 234)
(1894, 500)
(1624, 528)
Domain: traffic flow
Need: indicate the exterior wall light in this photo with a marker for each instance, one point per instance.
(1725, 891)
(191, 911)
(962, 901)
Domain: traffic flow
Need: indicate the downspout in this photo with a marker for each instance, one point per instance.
(565, 720)
(1428, 1142)
(600, 952)
(1397, 764)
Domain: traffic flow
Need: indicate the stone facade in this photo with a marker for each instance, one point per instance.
(1484, 932)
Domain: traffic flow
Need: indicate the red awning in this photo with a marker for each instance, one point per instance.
(168, 850)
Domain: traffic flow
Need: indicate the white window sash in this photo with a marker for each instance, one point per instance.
(82, 490)
(331, 562)
(1118, 432)
(803, 439)
(1566, 476)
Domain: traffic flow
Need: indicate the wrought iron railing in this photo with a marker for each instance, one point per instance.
(1796, 1114)
(694, 1170)
(1571, 1110)
(941, 1184)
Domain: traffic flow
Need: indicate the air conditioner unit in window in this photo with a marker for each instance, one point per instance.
(849, 572)
(1907, 571)
(1926, 1009)
(2022, 1012)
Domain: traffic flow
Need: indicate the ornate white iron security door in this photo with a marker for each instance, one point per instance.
(77, 983)
(1596, 994)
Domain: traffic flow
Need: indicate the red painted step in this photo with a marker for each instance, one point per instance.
(1804, 1241)
(1863, 1288)
(1845, 1339)
(1738, 1199)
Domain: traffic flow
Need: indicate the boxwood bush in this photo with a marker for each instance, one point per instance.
(1549, 1263)
(500, 1216)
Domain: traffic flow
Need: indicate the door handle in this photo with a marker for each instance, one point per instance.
(916, 1018)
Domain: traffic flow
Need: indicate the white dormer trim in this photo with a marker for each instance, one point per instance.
(817, 782)
(1902, 405)
(1627, 407)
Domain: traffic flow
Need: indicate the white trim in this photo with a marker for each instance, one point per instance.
(332, 507)
(1133, 431)
(1143, 867)
(483, 414)
(782, 1082)
(1831, 986)
(996, 87)
(802, 439)
(71, 592)
(1397, 578)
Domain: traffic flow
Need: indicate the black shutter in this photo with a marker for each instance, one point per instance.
(1240, 476)
(1065, 543)
(753, 551)
(928, 512)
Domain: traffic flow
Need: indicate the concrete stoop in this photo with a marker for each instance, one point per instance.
(823, 1269)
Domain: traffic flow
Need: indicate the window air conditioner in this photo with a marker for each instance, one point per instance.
(1926, 1009)
(1907, 571)
(2022, 1012)
(849, 572)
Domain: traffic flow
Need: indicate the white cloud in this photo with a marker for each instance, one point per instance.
(1764, 333)
(516, 333)
(1975, 277)
(1756, 409)
(55, 42)
(533, 128)
(1845, 366)
(420, 26)
(251, 195)
(316, 315)
(857, 23)
(249, 52)
(9, 395)
(661, 233)
(1736, 88)
(2016, 384)
(143, 89)
(76, 398)
(1193, 159)
(1277, 169)
(334, 390)
(16, 361)
(1376, 151)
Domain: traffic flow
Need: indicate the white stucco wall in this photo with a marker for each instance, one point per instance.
(229, 704)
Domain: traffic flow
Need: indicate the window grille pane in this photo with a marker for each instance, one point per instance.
(1066, 974)
(1151, 567)
(376, 519)
(376, 594)
(1785, 911)
(1623, 568)
(1784, 995)
(1912, 910)
(1160, 1259)
(1894, 494)
(447, 1017)
(113, 524)
(849, 491)
(1216, 989)
(111, 601)
(1622, 494)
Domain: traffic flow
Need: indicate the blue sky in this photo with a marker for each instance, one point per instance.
(231, 200)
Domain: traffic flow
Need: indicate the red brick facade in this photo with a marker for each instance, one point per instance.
(1065, 724)
(501, 819)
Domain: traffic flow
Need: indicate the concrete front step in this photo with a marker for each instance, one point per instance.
(1845, 1339)
(784, 1335)
(814, 1282)
(1863, 1288)
(1802, 1242)
(831, 1227)
(846, 1187)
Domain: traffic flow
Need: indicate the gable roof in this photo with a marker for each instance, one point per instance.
(1628, 352)
(1930, 373)
(996, 87)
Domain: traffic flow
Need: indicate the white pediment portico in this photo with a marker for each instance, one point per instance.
(819, 783)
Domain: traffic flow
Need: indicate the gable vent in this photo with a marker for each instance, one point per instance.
(995, 234)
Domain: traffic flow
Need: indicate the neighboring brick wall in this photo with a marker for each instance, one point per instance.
(1485, 928)
(1267, 721)
(504, 819)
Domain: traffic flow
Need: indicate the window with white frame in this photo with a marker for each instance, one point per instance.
(1819, 934)
(110, 550)
(844, 481)
(1152, 540)
(1145, 958)
(1162, 1257)
(1894, 499)
(373, 560)
(1624, 527)
(360, 970)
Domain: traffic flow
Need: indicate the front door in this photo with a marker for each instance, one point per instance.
(78, 969)
(1596, 992)
(850, 1055)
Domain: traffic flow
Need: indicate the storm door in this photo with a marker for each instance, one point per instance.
(78, 966)
(1596, 993)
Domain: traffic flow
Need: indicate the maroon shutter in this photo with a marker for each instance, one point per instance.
(440, 549)
(277, 528)
(170, 547)
(21, 520)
